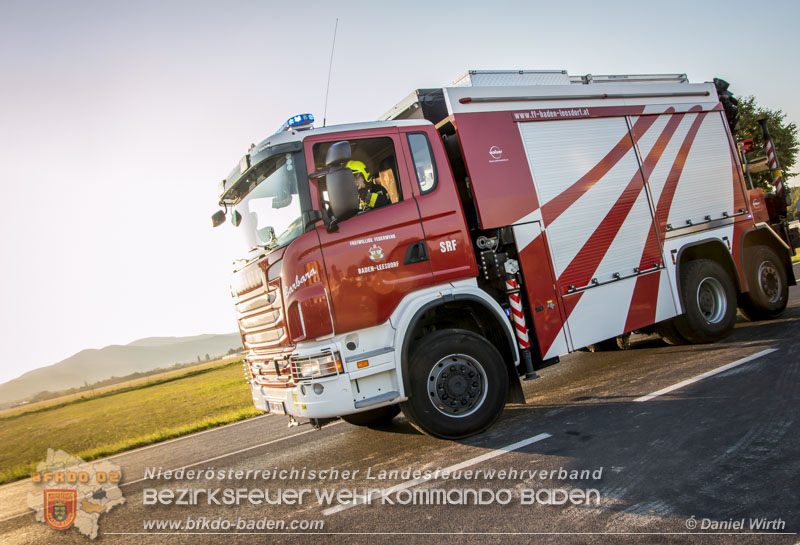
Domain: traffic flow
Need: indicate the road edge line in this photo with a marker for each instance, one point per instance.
(705, 375)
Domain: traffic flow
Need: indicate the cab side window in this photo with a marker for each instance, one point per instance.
(424, 167)
(379, 160)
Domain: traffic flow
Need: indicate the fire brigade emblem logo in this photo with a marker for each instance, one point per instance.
(376, 253)
(85, 492)
(60, 508)
(495, 153)
(756, 204)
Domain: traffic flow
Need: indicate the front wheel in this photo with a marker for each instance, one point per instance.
(709, 300)
(459, 384)
(768, 290)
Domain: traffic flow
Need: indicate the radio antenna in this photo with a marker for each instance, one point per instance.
(330, 66)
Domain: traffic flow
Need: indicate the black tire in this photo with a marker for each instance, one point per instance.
(620, 342)
(440, 370)
(768, 290)
(709, 302)
(669, 334)
(376, 417)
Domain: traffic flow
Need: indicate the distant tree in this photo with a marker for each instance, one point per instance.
(784, 137)
(795, 197)
(199, 359)
(208, 357)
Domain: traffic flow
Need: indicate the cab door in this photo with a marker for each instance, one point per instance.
(377, 257)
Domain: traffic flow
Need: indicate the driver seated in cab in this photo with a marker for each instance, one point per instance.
(370, 194)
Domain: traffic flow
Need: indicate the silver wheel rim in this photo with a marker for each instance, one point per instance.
(769, 281)
(711, 300)
(457, 385)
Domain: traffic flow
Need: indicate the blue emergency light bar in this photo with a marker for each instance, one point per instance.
(297, 121)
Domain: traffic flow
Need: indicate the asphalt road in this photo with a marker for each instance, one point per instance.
(688, 465)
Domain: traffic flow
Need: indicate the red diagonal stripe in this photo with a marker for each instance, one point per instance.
(657, 151)
(620, 210)
(584, 265)
(642, 311)
(571, 302)
(646, 290)
(668, 193)
(556, 206)
(652, 250)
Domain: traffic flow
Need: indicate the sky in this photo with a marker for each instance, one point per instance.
(118, 120)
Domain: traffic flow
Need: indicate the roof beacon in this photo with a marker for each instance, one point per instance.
(302, 121)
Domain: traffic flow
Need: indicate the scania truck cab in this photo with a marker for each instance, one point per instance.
(323, 300)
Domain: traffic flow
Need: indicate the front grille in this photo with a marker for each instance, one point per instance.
(260, 313)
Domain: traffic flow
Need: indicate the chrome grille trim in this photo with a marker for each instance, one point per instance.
(259, 311)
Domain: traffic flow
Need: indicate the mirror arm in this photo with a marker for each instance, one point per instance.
(311, 217)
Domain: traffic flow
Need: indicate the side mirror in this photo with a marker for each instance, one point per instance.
(236, 218)
(342, 193)
(266, 235)
(218, 218)
(338, 154)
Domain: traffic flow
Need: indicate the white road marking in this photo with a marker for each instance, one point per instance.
(707, 374)
(414, 482)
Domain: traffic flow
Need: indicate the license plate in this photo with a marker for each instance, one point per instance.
(276, 407)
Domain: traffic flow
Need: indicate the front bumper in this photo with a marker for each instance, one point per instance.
(333, 397)
(352, 391)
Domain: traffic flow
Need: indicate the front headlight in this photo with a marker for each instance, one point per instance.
(316, 366)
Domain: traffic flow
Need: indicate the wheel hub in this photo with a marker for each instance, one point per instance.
(711, 299)
(769, 281)
(457, 385)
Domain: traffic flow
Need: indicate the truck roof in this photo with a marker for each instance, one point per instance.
(291, 140)
(298, 135)
(497, 90)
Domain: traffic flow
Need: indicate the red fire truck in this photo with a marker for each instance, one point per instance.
(531, 214)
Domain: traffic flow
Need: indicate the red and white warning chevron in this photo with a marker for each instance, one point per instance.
(518, 315)
(777, 180)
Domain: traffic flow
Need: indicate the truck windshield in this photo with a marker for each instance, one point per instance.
(270, 207)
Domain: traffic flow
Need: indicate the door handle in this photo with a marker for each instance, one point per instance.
(416, 253)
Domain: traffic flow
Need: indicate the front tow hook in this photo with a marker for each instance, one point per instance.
(319, 422)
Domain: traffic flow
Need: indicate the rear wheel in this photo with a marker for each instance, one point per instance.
(709, 300)
(459, 384)
(766, 281)
(376, 417)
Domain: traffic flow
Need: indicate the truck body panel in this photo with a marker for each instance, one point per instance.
(577, 201)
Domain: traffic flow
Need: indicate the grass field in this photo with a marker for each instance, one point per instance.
(119, 387)
(130, 417)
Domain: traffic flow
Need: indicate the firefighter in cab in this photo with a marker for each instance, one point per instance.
(370, 194)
